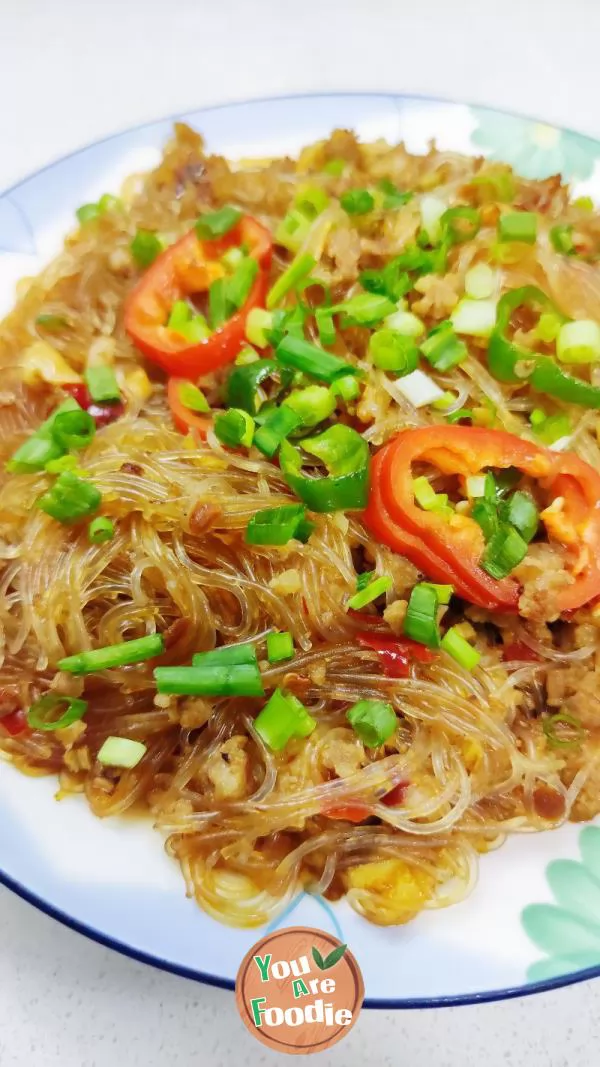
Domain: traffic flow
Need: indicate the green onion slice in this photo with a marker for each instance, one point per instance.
(145, 247)
(276, 526)
(234, 428)
(312, 405)
(393, 351)
(283, 717)
(277, 426)
(280, 647)
(561, 718)
(370, 592)
(504, 551)
(42, 714)
(420, 621)
(357, 201)
(310, 359)
(100, 530)
(456, 646)
(373, 721)
(217, 223)
(443, 349)
(121, 655)
(121, 752)
(70, 499)
(102, 384)
(210, 679)
(298, 270)
(518, 226)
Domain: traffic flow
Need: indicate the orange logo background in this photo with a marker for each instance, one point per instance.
(299, 990)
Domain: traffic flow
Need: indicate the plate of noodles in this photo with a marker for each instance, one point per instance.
(300, 541)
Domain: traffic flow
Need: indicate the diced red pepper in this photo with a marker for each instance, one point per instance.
(396, 795)
(102, 414)
(518, 650)
(353, 811)
(396, 654)
(15, 722)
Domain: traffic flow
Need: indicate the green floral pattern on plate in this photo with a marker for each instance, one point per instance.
(569, 930)
(534, 149)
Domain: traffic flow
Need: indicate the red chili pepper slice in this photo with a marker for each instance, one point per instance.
(185, 419)
(102, 414)
(15, 723)
(518, 650)
(396, 795)
(190, 266)
(354, 811)
(451, 550)
(396, 654)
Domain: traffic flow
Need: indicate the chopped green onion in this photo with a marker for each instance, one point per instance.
(365, 309)
(293, 230)
(521, 512)
(34, 454)
(277, 426)
(442, 592)
(504, 551)
(562, 239)
(345, 455)
(70, 499)
(475, 318)
(312, 405)
(283, 718)
(241, 652)
(87, 212)
(217, 223)
(477, 485)
(232, 258)
(121, 752)
(145, 247)
(548, 326)
(458, 416)
(121, 655)
(67, 462)
(347, 387)
(370, 592)
(561, 718)
(335, 167)
(73, 429)
(455, 645)
(280, 647)
(584, 203)
(420, 621)
(219, 308)
(102, 384)
(443, 349)
(312, 360)
(485, 514)
(419, 389)
(299, 268)
(500, 180)
(108, 202)
(357, 201)
(406, 323)
(394, 198)
(392, 281)
(234, 428)
(428, 499)
(193, 398)
(258, 322)
(52, 322)
(311, 201)
(239, 284)
(325, 325)
(373, 721)
(40, 714)
(460, 223)
(579, 342)
(480, 282)
(247, 355)
(550, 428)
(393, 351)
(275, 526)
(244, 381)
(432, 213)
(362, 580)
(210, 679)
(101, 530)
(518, 226)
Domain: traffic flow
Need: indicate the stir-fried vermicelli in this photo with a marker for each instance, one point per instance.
(299, 519)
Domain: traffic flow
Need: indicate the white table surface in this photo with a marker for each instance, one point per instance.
(73, 71)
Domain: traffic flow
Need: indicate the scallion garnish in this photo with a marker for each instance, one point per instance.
(504, 551)
(102, 384)
(283, 717)
(192, 398)
(145, 247)
(562, 239)
(312, 405)
(242, 652)
(210, 679)
(100, 530)
(311, 200)
(420, 621)
(474, 318)
(460, 223)
(239, 284)
(373, 721)
(357, 201)
(298, 270)
(234, 428)
(347, 387)
(280, 647)
(456, 646)
(521, 512)
(393, 197)
(442, 592)
(443, 349)
(374, 589)
(325, 325)
(73, 429)
(121, 655)
(121, 752)
(292, 230)
(258, 324)
(277, 426)
(276, 526)
(518, 226)
(70, 499)
(217, 223)
(392, 351)
(42, 714)
(312, 360)
(365, 309)
(579, 342)
(562, 718)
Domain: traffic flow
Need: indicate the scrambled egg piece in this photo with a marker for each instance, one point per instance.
(389, 891)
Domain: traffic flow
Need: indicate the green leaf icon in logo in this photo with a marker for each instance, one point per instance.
(330, 960)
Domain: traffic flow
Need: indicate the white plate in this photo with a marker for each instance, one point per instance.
(533, 920)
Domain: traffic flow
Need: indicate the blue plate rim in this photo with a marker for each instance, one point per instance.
(404, 1003)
